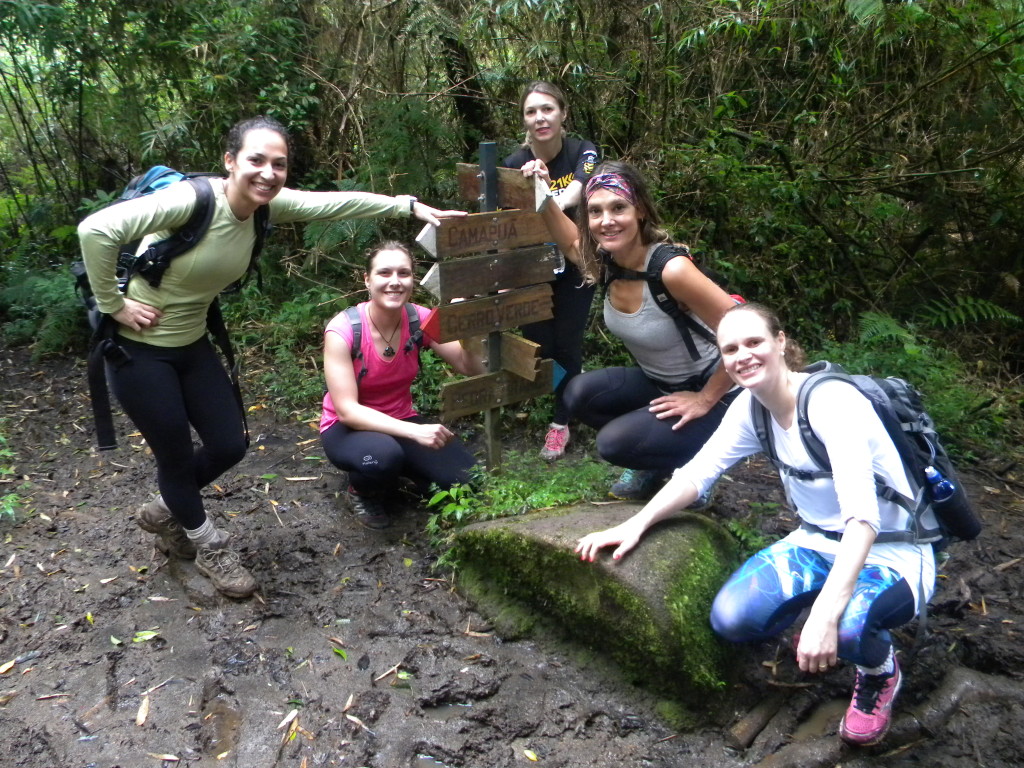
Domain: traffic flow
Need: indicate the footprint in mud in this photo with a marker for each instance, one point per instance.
(221, 722)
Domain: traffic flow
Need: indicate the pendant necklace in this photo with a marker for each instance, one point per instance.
(389, 351)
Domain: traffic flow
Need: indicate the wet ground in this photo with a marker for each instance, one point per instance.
(357, 652)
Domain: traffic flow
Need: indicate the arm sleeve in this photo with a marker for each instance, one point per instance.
(586, 162)
(298, 205)
(734, 439)
(852, 433)
(102, 233)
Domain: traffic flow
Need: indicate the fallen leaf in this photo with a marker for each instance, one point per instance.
(408, 562)
(169, 758)
(288, 718)
(531, 755)
(116, 640)
(6, 696)
(357, 721)
(5, 668)
(143, 635)
(108, 580)
(143, 713)
(341, 652)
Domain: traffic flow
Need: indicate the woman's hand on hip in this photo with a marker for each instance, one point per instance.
(138, 316)
(685, 406)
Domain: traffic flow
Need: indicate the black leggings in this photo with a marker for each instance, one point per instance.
(615, 401)
(561, 337)
(164, 390)
(374, 461)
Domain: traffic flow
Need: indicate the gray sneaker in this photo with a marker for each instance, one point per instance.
(222, 566)
(171, 538)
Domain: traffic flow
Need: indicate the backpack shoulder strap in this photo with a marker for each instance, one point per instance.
(686, 325)
(416, 338)
(153, 262)
(356, 323)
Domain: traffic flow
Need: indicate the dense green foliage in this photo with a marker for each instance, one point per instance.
(838, 160)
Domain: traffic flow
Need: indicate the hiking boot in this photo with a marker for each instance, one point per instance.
(171, 539)
(222, 566)
(637, 484)
(368, 510)
(867, 719)
(555, 442)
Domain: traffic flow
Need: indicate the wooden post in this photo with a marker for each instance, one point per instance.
(488, 203)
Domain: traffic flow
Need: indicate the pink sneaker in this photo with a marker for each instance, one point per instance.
(867, 720)
(555, 442)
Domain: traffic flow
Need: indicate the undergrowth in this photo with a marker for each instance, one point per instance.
(525, 483)
(10, 501)
(974, 416)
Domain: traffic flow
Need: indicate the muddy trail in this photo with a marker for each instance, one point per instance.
(357, 652)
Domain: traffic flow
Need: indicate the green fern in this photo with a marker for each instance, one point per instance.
(877, 326)
(965, 310)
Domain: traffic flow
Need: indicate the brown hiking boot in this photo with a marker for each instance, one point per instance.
(171, 538)
(222, 566)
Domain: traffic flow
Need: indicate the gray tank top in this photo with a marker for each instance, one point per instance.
(652, 338)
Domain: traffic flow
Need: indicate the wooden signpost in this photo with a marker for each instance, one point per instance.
(500, 264)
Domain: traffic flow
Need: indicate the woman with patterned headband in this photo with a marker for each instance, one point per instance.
(654, 417)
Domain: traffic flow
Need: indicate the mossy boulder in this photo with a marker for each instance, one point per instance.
(648, 611)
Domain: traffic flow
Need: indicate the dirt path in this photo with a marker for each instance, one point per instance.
(357, 653)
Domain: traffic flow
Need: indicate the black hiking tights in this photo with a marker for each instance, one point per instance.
(164, 390)
(616, 402)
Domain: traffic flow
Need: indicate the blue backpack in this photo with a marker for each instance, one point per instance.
(899, 407)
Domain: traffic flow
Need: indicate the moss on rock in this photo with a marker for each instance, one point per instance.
(649, 611)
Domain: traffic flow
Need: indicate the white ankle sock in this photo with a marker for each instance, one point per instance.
(206, 535)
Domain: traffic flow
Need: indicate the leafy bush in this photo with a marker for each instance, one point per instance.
(970, 413)
(41, 309)
(10, 502)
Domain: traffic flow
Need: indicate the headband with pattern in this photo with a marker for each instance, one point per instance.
(613, 182)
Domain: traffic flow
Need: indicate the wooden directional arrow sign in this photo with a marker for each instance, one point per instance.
(493, 313)
(489, 273)
(484, 232)
(514, 189)
(491, 390)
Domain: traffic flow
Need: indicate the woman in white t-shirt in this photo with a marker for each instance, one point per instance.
(856, 588)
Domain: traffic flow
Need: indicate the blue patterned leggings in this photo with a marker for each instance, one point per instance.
(770, 590)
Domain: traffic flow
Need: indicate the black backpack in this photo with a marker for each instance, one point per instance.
(416, 340)
(685, 324)
(151, 265)
(912, 431)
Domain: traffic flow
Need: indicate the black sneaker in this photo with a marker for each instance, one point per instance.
(368, 510)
